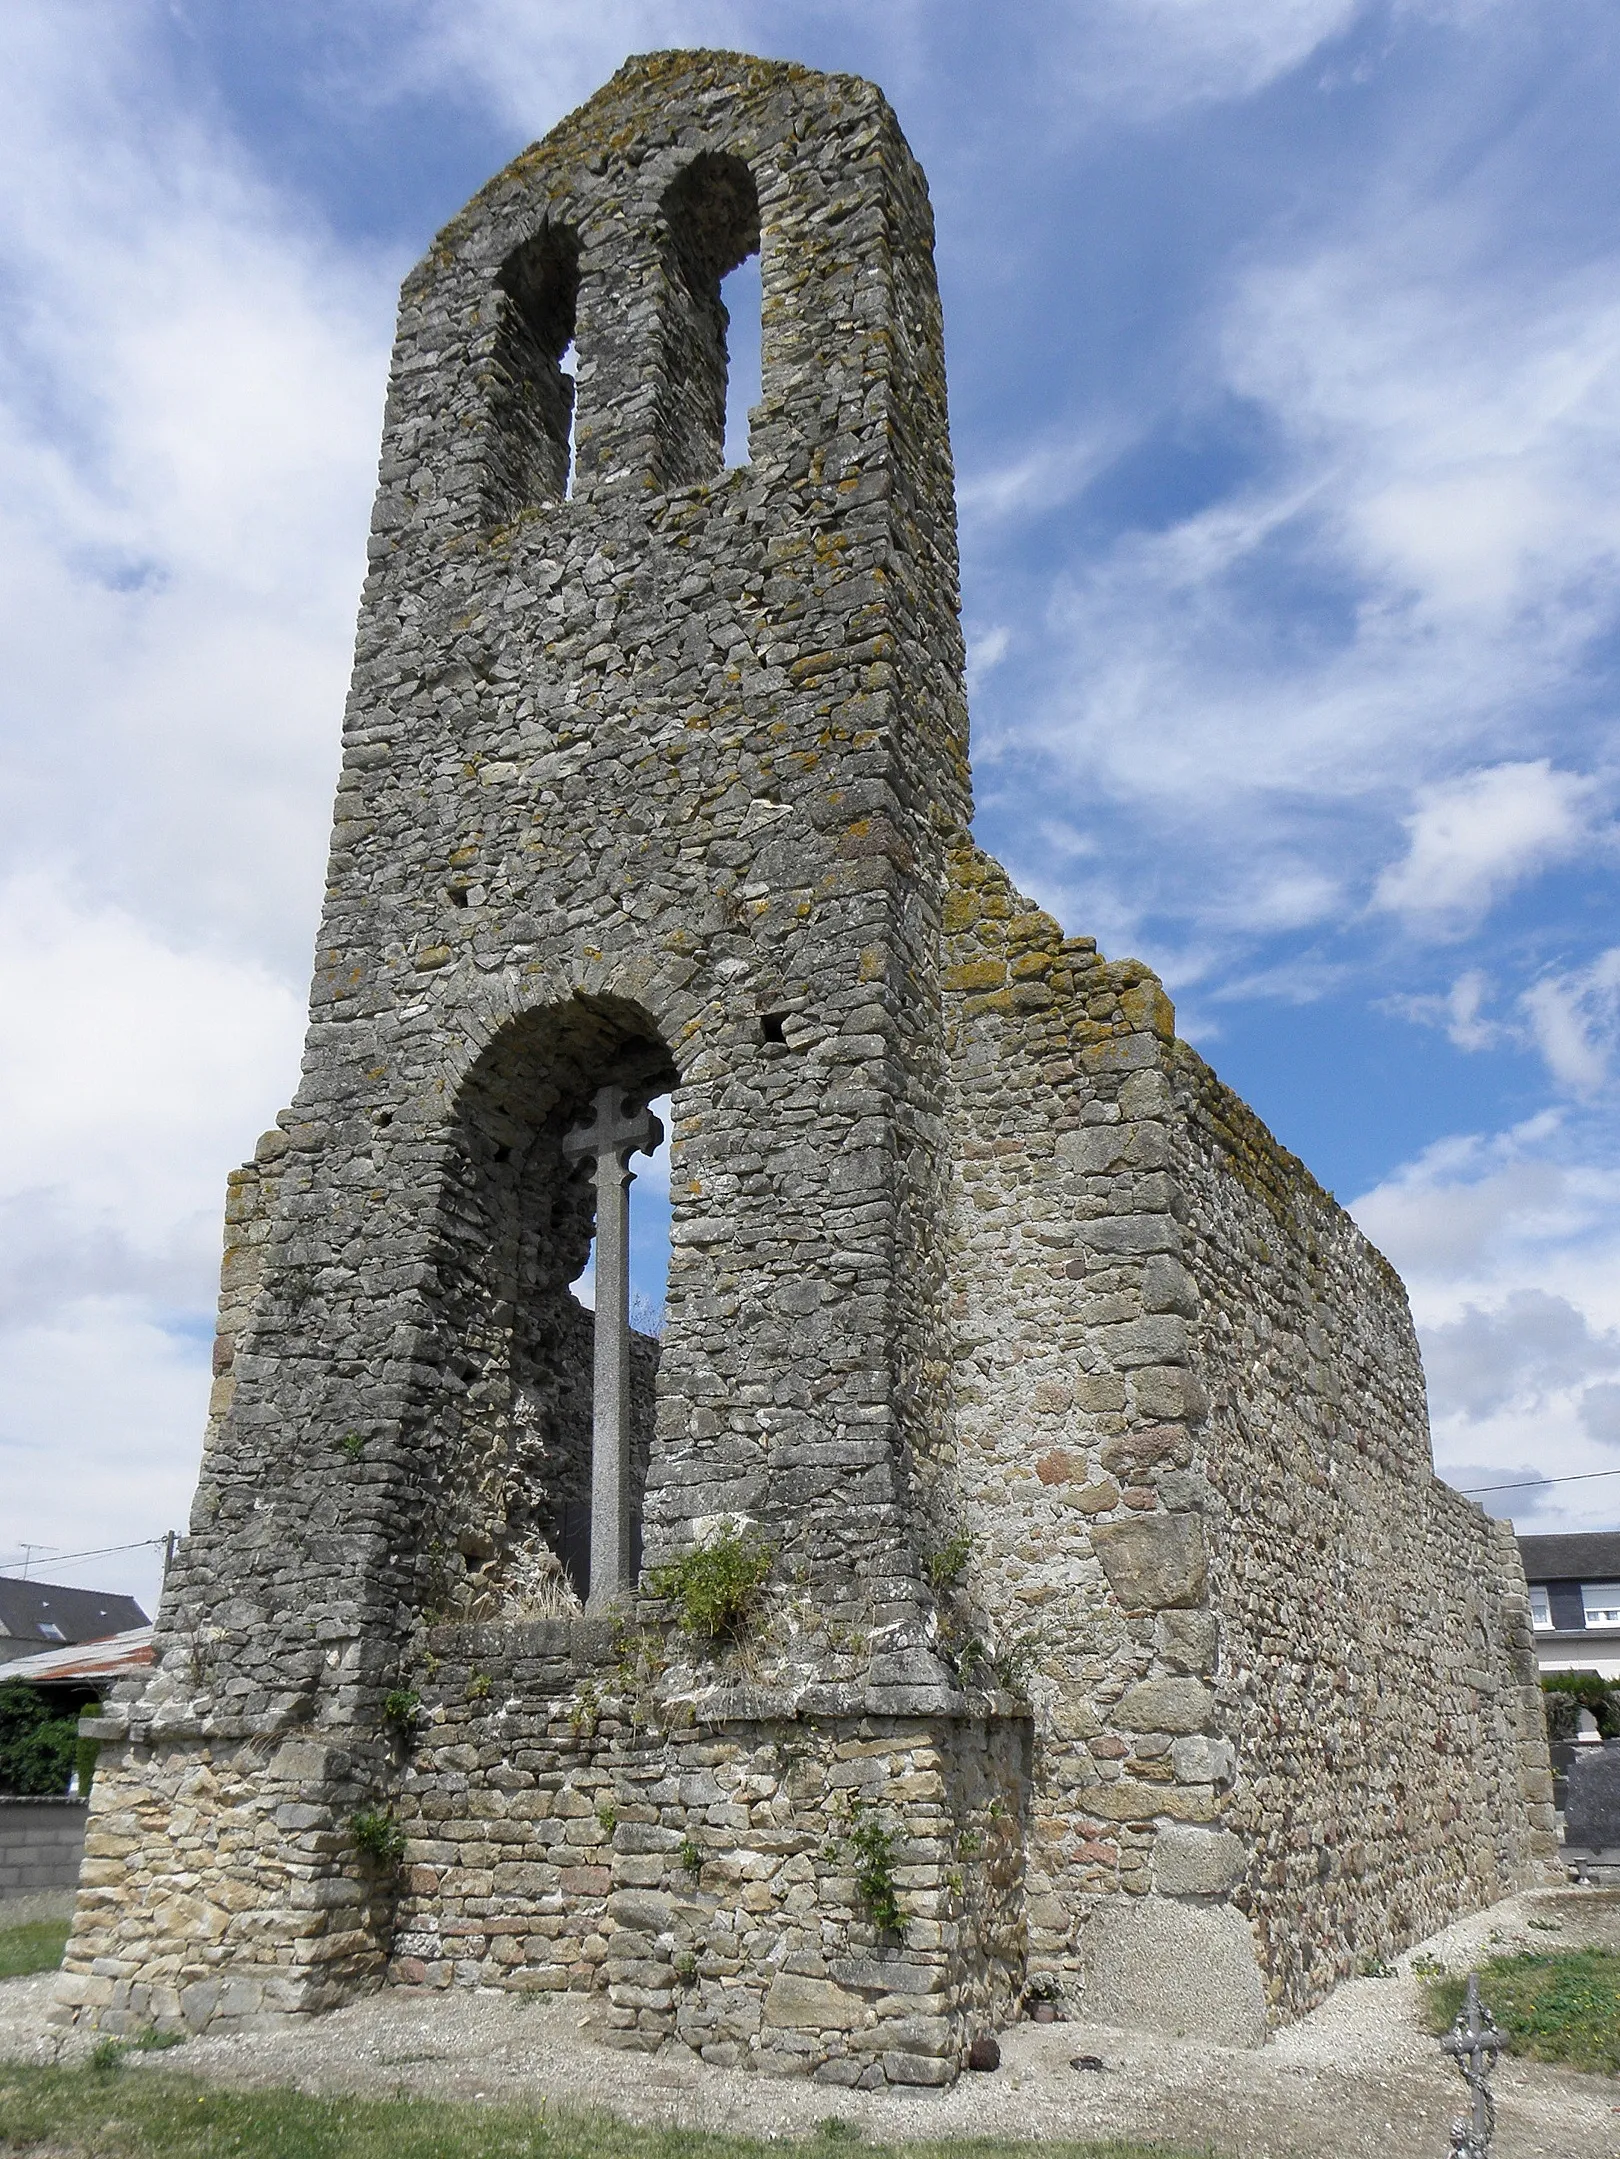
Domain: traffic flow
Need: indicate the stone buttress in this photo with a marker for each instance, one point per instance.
(1115, 1632)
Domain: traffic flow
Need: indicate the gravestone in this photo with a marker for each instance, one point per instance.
(1592, 1810)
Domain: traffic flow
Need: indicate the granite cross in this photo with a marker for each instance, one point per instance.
(1473, 2043)
(618, 1127)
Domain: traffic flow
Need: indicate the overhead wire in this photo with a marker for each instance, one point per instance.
(1527, 1484)
(63, 1559)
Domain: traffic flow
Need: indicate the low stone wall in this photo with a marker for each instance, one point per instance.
(689, 1863)
(41, 1844)
(700, 1881)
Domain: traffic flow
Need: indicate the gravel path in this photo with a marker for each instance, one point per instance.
(1358, 2077)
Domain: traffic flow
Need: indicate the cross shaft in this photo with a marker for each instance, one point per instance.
(617, 1128)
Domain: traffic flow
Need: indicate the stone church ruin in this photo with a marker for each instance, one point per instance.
(1019, 1566)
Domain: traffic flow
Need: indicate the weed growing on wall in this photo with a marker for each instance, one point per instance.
(378, 1835)
(872, 1849)
(945, 1566)
(402, 1706)
(716, 1585)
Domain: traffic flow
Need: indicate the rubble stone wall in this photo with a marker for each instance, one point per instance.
(699, 1882)
(647, 779)
(1377, 1673)
(1277, 1667)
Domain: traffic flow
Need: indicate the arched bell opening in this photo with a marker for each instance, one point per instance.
(711, 228)
(547, 1130)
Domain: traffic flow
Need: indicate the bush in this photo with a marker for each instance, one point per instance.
(38, 1750)
(717, 1584)
(1567, 1693)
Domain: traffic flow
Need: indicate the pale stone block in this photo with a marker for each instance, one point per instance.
(1166, 1705)
(1197, 1862)
(1153, 1965)
(812, 2005)
(1153, 1561)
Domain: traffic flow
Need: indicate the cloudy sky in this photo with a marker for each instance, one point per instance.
(1285, 363)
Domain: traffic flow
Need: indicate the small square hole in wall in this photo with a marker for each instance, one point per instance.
(457, 895)
(773, 1027)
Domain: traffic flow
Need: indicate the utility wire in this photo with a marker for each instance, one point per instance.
(1581, 1476)
(62, 1559)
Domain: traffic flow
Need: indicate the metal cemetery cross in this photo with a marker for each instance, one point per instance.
(614, 1132)
(1473, 2043)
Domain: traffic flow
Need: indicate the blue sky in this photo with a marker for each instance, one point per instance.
(1284, 348)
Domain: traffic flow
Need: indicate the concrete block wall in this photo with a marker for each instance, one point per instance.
(41, 1845)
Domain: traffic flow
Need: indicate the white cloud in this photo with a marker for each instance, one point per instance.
(135, 1075)
(1575, 1021)
(1524, 1350)
(1039, 477)
(1460, 1013)
(1510, 1251)
(188, 417)
(986, 649)
(1471, 840)
(189, 397)
(1398, 606)
(1131, 61)
(1152, 56)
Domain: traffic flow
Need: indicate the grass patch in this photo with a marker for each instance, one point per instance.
(36, 1946)
(132, 2113)
(1562, 2007)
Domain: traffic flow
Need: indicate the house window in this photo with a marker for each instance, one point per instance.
(51, 1631)
(1602, 1601)
(1540, 1608)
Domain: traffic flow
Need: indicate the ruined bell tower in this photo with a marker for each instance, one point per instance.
(651, 773)
(1097, 1621)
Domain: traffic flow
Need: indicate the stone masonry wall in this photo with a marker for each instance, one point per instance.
(1282, 1677)
(1377, 1674)
(694, 1876)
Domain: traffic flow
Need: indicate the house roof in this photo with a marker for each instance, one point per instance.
(115, 1658)
(48, 1615)
(1589, 1556)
